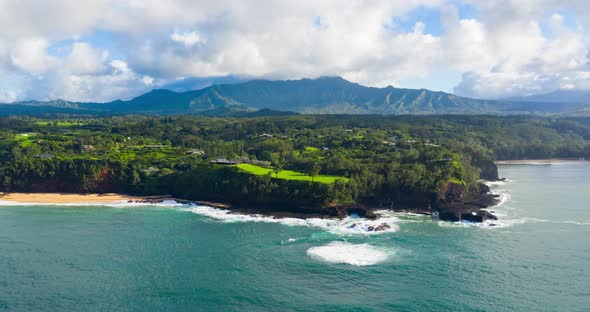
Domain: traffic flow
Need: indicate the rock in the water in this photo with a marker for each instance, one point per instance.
(382, 227)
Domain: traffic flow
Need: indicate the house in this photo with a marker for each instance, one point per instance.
(265, 135)
(223, 161)
(150, 171)
(45, 156)
(196, 152)
(87, 148)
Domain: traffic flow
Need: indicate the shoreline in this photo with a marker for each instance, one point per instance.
(74, 198)
(546, 161)
(21, 198)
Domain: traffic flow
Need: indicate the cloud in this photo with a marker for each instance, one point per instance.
(85, 60)
(188, 39)
(29, 55)
(516, 48)
(508, 47)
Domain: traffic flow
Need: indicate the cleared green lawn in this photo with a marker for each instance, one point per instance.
(59, 123)
(289, 174)
(24, 139)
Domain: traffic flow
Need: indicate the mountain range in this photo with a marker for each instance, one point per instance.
(557, 96)
(325, 95)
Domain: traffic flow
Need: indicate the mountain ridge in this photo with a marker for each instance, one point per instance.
(324, 95)
(557, 96)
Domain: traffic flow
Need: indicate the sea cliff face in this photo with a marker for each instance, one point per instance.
(454, 203)
(489, 170)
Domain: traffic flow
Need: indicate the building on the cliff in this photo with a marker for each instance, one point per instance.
(223, 161)
(196, 152)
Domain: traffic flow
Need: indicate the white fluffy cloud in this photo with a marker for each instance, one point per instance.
(511, 47)
(30, 55)
(188, 39)
(514, 55)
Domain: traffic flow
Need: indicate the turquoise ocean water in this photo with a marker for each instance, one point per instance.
(180, 258)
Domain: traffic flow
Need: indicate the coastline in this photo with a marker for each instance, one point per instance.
(547, 161)
(474, 210)
(73, 198)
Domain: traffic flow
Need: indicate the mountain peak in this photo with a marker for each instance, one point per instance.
(322, 95)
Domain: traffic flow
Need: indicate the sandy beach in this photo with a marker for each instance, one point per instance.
(63, 198)
(539, 161)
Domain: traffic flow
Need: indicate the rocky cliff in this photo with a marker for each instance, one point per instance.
(454, 203)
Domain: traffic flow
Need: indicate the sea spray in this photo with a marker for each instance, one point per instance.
(352, 254)
(346, 226)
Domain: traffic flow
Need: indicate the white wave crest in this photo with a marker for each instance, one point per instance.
(489, 224)
(164, 203)
(347, 253)
(537, 220)
(492, 224)
(346, 226)
(497, 183)
(290, 240)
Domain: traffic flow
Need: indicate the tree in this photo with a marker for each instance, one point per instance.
(278, 160)
(278, 167)
(314, 171)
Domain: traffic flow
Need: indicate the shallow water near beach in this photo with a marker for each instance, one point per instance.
(177, 257)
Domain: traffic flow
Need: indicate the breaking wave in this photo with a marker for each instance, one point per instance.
(347, 253)
(346, 226)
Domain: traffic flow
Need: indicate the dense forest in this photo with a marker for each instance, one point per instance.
(303, 161)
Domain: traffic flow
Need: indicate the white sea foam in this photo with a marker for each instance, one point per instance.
(497, 183)
(537, 220)
(503, 223)
(126, 204)
(347, 253)
(489, 224)
(346, 226)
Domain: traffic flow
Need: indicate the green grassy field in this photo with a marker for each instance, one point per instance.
(59, 123)
(289, 175)
(25, 139)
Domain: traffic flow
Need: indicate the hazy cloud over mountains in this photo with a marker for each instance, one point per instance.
(99, 50)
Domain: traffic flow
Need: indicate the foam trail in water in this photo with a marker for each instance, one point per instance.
(497, 183)
(347, 253)
(346, 226)
(537, 220)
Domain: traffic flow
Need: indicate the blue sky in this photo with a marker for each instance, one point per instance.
(102, 50)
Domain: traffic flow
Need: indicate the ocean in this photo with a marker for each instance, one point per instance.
(132, 257)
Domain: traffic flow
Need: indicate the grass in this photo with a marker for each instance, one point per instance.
(311, 149)
(457, 181)
(24, 139)
(59, 123)
(289, 174)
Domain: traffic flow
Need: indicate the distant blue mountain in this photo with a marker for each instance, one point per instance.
(197, 83)
(558, 96)
(326, 95)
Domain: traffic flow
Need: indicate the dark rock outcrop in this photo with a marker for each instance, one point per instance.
(454, 204)
(489, 170)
